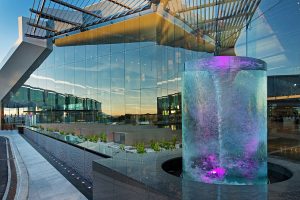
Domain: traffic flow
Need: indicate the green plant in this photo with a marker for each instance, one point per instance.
(62, 132)
(172, 147)
(80, 136)
(122, 147)
(156, 147)
(165, 145)
(103, 137)
(88, 138)
(152, 144)
(49, 129)
(174, 140)
(140, 148)
(93, 138)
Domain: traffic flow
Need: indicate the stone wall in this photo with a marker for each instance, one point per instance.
(78, 158)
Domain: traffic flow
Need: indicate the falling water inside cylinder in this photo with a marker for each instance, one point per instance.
(224, 101)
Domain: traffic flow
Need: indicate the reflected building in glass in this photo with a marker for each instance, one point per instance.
(132, 62)
(124, 63)
(113, 85)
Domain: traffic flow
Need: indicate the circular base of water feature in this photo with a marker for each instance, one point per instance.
(276, 173)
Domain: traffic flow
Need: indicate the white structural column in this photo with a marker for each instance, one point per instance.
(25, 57)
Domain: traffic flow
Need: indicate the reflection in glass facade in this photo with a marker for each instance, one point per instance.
(130, 81)
(113, 84)
(135, 73)
(50, 106)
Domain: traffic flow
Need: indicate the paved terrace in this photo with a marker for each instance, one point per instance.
(37, 178)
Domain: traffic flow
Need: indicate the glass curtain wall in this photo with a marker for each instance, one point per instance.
(140, 82)
(273, 36)
(136, 83)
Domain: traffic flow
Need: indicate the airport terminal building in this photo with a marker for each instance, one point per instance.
(116, 67)
(124, 63)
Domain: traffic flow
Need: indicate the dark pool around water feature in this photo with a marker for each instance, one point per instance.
(276, 173)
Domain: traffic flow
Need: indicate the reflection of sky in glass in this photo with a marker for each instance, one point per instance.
(128, 78)
(274, 36)
(125, 82)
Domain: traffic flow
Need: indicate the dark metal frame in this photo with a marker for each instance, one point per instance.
(221, 20)
(76, 8)
(53, 17)
(124, 10)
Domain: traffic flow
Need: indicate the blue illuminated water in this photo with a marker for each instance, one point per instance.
(224, 101)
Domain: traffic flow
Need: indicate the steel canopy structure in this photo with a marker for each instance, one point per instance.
(218, 22)
(221, 20)
(70, 15)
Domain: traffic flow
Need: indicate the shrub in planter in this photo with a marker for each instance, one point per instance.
(93, 138)
(174, 140)
(140, 148)
(167, 145)
(172, 146)
(81, 137)
(103, 137)
(156, 147)
(152, 144)
(122, 147)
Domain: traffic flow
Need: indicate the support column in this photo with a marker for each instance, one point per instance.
(224, 105)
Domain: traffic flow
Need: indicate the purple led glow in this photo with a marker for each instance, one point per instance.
(218, 172)
(251, 146)
(224, 120)
(221, 62)
(213, 175)
(226, 63)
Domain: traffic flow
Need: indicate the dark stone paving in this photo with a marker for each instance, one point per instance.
(13, 178)
(281, 143)
(291, 154)
(285, 148)
(4, 170)
(3, 166)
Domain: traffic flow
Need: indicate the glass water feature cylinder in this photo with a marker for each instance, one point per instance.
(224, 120)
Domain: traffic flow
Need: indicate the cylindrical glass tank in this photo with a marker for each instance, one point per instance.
(224, 120)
